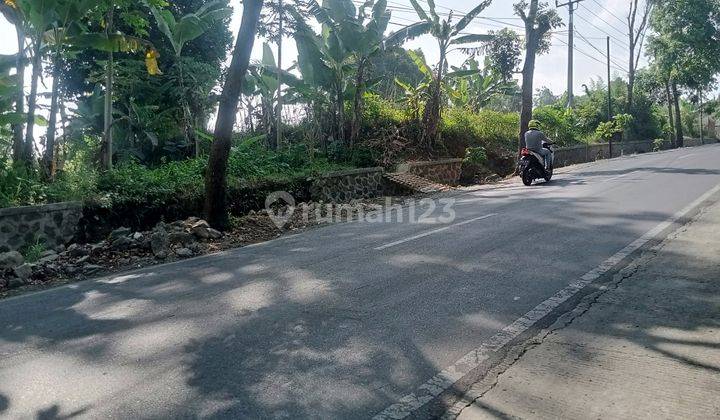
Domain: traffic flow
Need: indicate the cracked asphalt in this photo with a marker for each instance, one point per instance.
(346, 320)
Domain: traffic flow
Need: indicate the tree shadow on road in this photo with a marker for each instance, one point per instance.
(653, 339)
(267, 332)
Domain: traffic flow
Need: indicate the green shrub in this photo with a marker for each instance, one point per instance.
(492, 130)
(658, 144)
(33, 252)
(476, 156)
(559, 124)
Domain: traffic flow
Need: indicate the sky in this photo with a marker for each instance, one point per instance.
(594, 21)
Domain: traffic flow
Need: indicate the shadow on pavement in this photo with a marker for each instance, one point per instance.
(268, 332)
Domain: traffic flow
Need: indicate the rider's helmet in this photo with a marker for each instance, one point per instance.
(534, 125)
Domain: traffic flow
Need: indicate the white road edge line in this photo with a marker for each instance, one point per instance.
(449, 376)
(432, 232)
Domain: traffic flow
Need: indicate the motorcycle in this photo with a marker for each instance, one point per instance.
(531, 166)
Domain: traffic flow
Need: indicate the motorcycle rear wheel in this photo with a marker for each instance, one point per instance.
(527, 177)
(549, 175)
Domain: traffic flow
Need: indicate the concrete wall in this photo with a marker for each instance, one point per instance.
(51, 225)
(341, 187)
(445, 171)
(590, 153)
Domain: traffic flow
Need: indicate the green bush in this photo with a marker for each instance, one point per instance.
(559, 124)
(476, 156)
(492, 130)
(658, 145)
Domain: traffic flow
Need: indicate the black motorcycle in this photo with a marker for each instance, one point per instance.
(531, 166)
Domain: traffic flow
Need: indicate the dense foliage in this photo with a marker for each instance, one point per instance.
(136, 86)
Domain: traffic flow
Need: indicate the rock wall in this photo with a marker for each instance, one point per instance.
(342, 187)
(581, 154)
(590, 153)
(446, 171)
(51, 225)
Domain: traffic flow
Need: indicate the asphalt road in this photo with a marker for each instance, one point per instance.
(337, 322)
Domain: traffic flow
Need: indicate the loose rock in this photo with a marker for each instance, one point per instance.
(184, 252)
(11, 259)
(23, 272)
(120, 232)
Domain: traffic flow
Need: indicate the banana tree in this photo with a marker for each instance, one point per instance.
(12, 14)
(180, 32)
(262, 82)
(349, 37)
(448, 34)
(35, 16)
(478, 87)
(414, 97)
(455, 84)
(112, 41)
(8, 87)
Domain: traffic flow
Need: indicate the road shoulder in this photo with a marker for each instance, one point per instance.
(646, 346)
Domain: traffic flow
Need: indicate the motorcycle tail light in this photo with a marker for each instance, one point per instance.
(525, 152)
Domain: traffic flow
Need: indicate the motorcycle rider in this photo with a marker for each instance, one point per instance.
(534, 141)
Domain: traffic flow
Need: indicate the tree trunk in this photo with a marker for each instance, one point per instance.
(433, 109)
(49, 154)
(340, 114)
(107, 147)
(357, 103)
(32, 102)
(526, 111)
(670, 110)
(679, 137)
(528, 72)
(216, 174)
(18, 129)
(278, 116)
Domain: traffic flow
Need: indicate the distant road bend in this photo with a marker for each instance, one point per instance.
(353, 320)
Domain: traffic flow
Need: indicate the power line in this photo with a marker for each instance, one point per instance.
(620, 31)
(598, 50)
(588, 55)
(624, 44)
(610, 12)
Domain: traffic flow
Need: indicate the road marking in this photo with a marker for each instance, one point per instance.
(472, 360)
(687, 156)
(432, 232)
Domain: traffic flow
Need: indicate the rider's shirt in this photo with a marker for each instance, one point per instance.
(534, 140)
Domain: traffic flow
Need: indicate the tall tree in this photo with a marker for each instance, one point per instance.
(685, 45)
(638, 19)
(180, 32)
(329, 60)
(216, 174)
(539, 21)
(447, 35)
(13, 15)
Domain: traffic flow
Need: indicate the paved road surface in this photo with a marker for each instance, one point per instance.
(339, 322)
(645, 348)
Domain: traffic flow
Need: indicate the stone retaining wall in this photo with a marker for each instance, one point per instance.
(581, 154)
(590, 153)
(51, 225)
(342, 187)
(445, 171)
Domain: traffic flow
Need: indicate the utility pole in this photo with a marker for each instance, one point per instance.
(278, 128)
(609, 92)
(702, 135)
(572, 6)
